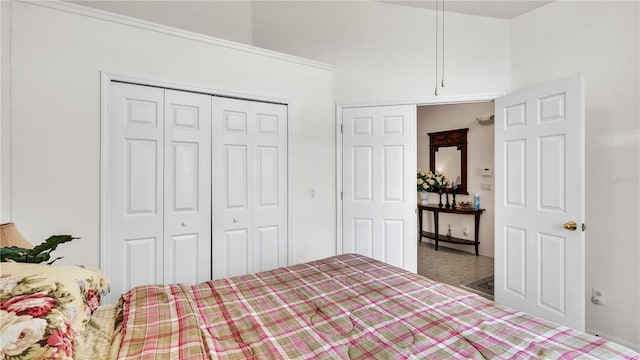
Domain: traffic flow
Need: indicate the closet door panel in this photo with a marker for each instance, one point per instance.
(235, 177)
(237, 241)
(135, 182)
(187, 200)
(250, 193)
(270, 202)
(183, 249)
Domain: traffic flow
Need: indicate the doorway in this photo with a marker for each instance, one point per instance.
(452, 263)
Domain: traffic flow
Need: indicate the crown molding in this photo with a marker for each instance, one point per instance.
(168, 30)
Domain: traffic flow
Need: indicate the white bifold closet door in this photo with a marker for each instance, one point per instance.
(158, 207)
(249, 186)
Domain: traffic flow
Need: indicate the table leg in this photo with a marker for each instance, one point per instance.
(435, 226)
(420, 225)
(477, 231)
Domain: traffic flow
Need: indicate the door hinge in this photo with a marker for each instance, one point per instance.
(584, 227)
(340, 195)
(340, 128)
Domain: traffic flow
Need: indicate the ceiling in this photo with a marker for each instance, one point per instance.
(504, 9)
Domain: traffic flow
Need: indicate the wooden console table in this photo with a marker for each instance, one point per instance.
(444, 238)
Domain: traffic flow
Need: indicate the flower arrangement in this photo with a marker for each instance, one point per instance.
(432, 182)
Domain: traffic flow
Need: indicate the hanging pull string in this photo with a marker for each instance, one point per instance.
(442, 84)
(436, 91)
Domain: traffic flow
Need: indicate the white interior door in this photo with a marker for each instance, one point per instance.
(135, 187)
(379, 184)
(249, 187)
(539, 147)
(187, 187)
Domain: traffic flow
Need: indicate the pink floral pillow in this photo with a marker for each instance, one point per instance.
(44, 308)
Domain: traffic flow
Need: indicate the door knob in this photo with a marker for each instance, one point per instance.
(235, 220)
(183, 224)
(571, 225)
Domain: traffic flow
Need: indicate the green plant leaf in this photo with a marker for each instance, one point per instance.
(13, 253)
(38, 254)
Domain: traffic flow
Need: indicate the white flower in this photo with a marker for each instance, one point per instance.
(8, 282)
(420, 181)
(19, 332)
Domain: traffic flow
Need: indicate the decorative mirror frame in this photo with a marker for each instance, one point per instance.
(457, 138)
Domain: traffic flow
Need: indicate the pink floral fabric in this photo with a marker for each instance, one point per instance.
(43, 308)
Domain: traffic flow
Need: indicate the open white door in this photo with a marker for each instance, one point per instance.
(539, 252)
(379, 184)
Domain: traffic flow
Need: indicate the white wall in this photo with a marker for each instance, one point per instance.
(385, 52)
(5, 120)
(600, 39)
(56, 61)
(480, 154)
(230, 20)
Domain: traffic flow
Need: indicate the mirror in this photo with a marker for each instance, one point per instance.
(448, 153)
(448, 161)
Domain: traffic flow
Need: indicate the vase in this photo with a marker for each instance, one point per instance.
(423, 196)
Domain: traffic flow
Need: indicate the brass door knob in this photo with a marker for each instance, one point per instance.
(571, 225)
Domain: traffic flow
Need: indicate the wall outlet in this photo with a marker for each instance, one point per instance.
(597, 296)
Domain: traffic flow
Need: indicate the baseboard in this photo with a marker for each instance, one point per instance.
(630, 345)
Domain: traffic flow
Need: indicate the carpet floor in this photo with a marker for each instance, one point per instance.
(455, 267)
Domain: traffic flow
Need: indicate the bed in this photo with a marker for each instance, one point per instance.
(343, 307)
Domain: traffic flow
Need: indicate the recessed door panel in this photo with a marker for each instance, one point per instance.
(551, 108)
(393, 125)
(267, 176)
(516, 260)
(551, 272)
(393, 235)
(235, 162)
(551, 174)
(515, 173)
(184, 259)
(235, 122)
(140, 262)
(393, 178)
(362, 173)
(363, 126)
(142, 176)
(185, 185)
(237, 252)
(268, 247)
(267, 125)
(186, 117)
(514, 116)
(363, 236)
(142, 112)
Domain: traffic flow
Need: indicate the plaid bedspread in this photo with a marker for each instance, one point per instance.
(343, 307)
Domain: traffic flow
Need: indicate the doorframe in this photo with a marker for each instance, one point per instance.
(417, 102)
(106, 77)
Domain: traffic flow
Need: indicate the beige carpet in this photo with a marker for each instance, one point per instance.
(453, 267)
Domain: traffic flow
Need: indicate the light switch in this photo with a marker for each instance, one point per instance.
(485, 186)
